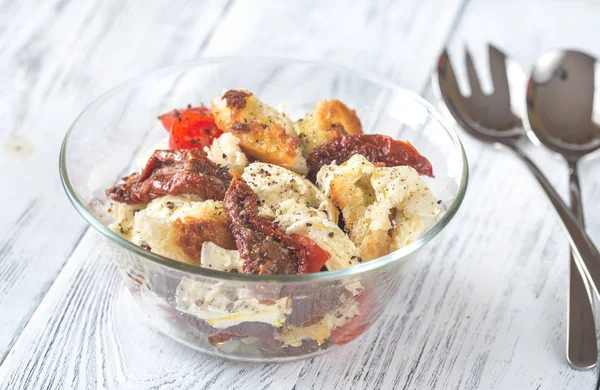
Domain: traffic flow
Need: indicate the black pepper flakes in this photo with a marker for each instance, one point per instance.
(330, 234)
(170, 205)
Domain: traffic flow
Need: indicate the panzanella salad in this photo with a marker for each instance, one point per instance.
(241, 187)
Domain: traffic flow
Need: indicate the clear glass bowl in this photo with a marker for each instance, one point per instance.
(300, 315)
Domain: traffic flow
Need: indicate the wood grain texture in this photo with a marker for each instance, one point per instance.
(397, 39)
(484, 307)
(54, 62)
(88, 333)
(112, 35)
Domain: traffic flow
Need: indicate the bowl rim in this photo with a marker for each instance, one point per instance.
(252, 278)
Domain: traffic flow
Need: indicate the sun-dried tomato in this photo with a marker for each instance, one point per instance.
(264, 247)
(376, 148)
(173, 172)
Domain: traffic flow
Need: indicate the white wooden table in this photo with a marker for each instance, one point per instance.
(483, 308)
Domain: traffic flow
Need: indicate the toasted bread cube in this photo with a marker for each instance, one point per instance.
(177, 226)
(330, 119)
(384, 208)
(264, 132)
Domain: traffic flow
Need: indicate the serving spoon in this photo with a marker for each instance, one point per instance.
(489, 118)
(560, 96)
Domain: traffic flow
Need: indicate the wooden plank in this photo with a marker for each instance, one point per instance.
(484, 307)
(54, 62)
(399, 40)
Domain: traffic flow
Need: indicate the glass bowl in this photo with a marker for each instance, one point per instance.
(253, 317)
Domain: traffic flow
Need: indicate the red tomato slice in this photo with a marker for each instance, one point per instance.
(348, 332)
(316, 256)
(356, 325)
(190, 128)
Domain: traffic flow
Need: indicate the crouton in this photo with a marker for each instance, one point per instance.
(264, 132)
(330, 119)
(384, 208)
(177, 226)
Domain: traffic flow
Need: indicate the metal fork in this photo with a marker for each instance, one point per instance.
(489, 118)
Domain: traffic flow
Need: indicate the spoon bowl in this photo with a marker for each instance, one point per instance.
(560, 99)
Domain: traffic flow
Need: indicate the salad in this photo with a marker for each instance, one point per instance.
(241, 187)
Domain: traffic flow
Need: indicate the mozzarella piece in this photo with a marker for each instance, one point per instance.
(223, 307)
(220, 259)
(225, 151)
(123, 215)
(274, 184)
(297, 218)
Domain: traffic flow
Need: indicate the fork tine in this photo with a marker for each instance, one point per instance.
(498, 71)
(472, 75)
(446, 76)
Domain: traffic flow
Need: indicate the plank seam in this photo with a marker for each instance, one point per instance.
(19, 333)
(22, 329)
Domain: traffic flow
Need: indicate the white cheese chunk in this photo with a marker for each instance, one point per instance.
(297, 218)
(225, 151)
(223, 307)
(220, 259)
(274, 184)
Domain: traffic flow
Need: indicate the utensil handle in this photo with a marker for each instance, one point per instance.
(575, 192)
(582, 348)
(586, 254)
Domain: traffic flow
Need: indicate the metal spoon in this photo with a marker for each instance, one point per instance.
(560, 96)
(490, 119)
